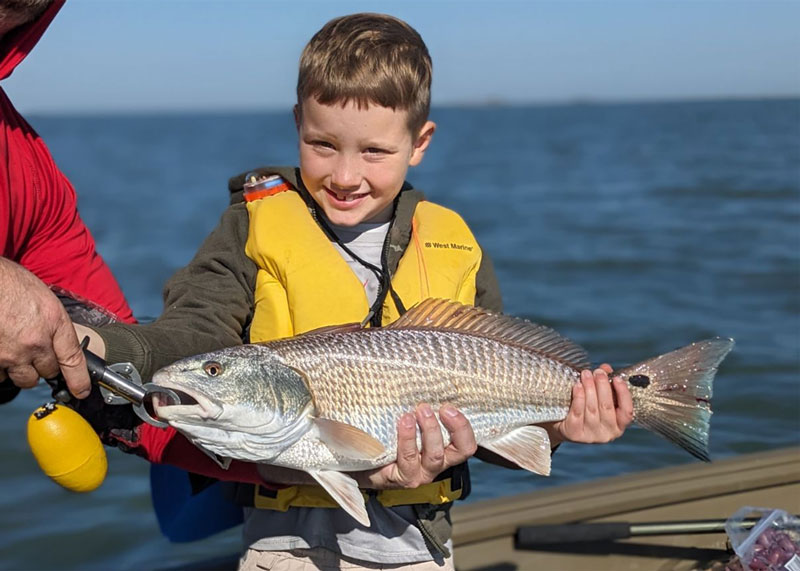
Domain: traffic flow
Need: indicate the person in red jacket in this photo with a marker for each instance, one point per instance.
(47, 255)
(51, 274)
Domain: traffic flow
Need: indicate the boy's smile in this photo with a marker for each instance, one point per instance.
(354, 160)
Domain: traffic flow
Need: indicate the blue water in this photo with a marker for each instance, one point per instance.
(632, 229)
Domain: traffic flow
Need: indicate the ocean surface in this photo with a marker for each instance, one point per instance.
(632, 229)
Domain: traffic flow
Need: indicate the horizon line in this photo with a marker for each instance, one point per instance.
(489, 102)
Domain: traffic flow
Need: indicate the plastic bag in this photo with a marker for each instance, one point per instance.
(772, 544)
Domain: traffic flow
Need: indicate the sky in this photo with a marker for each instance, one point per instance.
(103, 56)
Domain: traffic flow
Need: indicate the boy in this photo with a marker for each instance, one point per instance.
(345, 239)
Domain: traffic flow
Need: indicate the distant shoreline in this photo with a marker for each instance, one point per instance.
(491, 103)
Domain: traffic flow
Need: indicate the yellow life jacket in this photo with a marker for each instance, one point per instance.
(304, 283)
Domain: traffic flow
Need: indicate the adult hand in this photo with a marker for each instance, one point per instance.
(597, 413)
(415, 467)
(36, 335)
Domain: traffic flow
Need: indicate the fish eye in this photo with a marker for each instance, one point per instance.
(212, 368)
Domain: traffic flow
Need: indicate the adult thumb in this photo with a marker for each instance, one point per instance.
(71, 360)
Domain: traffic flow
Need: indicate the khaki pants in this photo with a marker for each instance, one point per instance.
(322, 559)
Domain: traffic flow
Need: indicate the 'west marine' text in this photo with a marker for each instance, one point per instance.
(450, 246)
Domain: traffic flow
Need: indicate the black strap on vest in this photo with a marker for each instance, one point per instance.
(375, 314)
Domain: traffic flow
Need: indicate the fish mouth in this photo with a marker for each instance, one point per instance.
(191, 405)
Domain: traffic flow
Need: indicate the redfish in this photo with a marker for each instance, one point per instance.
(328, 401)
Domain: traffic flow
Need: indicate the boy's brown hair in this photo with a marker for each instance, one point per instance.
(368, 58)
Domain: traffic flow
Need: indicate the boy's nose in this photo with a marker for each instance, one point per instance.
(345, 175)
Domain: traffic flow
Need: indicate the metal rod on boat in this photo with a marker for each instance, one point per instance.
(688, 527)
(533, 536)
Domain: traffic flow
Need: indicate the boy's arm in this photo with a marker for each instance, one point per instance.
(207, 304)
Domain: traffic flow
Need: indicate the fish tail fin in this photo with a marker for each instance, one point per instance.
(672, 393)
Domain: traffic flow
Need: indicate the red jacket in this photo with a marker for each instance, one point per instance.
(39, 224)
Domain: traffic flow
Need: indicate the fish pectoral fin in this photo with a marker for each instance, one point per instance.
(349, 441)
(528, 447)
(344, 490)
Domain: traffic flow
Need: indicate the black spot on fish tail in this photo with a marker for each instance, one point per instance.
(641, 381)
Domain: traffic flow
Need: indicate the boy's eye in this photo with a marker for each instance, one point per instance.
(322, 144)
(376, 151)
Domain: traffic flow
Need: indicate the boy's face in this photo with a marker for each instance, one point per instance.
(354, 161)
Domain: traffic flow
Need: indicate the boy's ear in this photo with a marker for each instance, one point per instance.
(297, 117)
(422, 142)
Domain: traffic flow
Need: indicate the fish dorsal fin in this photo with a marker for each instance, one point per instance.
(446, 314)
(343, 328)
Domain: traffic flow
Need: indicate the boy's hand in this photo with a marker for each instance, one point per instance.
(597, 413)
(415, 467)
